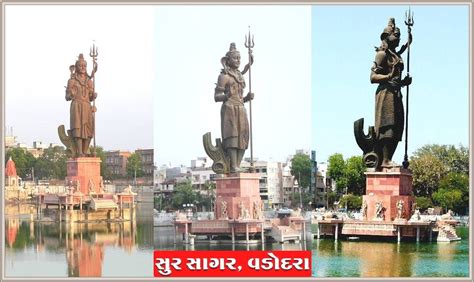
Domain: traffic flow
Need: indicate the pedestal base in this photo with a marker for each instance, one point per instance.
(238, 197)
(86, 172)
(388, 187)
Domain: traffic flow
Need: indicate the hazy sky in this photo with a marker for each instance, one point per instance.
(42, 41)
(189, 43)
(343, 40)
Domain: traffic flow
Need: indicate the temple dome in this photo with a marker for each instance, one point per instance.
(10, 169)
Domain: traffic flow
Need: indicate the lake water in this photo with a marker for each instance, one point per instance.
(35, 249)
(360, 258)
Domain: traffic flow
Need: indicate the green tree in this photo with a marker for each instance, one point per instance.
(306, 197)
(423, 203)
(208, 199)
(433, 162)
(347, 174)
(354, 173)
(104, 171)
(427, 172)
(448, 199)
(23, 159)
(454, 159)
(184, 194)
(134, 166)
(353, 201)
(52, 164)
(336, 166)
(331, 198)
(336, 169)
(453, 192)
(301, 169)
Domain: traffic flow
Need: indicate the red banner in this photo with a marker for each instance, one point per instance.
(232, 263)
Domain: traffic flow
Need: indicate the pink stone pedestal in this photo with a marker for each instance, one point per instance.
(235, 189)
(389, 186)
(86, 170)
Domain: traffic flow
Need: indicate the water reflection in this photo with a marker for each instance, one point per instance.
(390, 259)
(356, 258)
(87, 249)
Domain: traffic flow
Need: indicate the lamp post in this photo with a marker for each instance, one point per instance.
(135, 176)
(299, 184)
(346, 198)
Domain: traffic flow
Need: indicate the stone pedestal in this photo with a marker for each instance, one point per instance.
(86, 171)
(238, 197)
(388, 187)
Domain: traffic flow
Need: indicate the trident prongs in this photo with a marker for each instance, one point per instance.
(409, 19)
(249, 41)
(94, 52)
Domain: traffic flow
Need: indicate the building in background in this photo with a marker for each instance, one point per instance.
(271, 181)
(146, 156)
(116, 162)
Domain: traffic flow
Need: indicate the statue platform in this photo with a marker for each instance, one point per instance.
(238, 196)
(86, 172)
(388, 187)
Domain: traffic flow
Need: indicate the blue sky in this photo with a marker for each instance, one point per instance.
(343, 40)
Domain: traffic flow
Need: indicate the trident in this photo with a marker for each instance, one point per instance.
(249, 44)
(94, 52)
(409, 21)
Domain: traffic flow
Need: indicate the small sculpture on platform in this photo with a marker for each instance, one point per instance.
(80, 91)
(101, 187)
(363, 210)
(380, 143)
(70, 188)
(180, 216)
(400, 205)
(296, 213)
(91, 187)
(447, 216)
(128, 190)
(228, 154)
(78, 185)
(379, 210)
(244, 212)
(241, 210)
(257, 210)
(416, 216)
(329, 215)
(224, 210)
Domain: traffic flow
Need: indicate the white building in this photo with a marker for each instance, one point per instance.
(201, 162)
(328, 182)
(271, 181)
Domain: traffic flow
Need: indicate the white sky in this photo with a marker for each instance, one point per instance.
(189, 43)
(43, 40)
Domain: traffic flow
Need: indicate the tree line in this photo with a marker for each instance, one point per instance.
(52, 163)
(440, 178)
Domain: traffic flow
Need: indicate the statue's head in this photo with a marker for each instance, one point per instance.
(81, 65)
(232, 57)
(391, 33)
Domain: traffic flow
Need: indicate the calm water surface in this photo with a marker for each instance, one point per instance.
(389, 259)
(35, 249)
(359, 258)
(51, 249)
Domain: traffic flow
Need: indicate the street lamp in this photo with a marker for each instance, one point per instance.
(299, 184)
(135, 176)
(346, 198)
